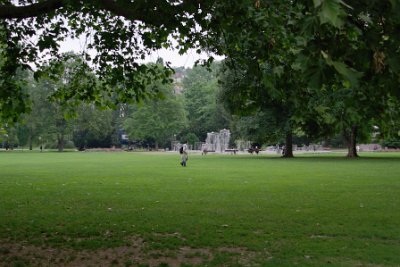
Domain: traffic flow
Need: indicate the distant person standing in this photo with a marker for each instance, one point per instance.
(184, 154)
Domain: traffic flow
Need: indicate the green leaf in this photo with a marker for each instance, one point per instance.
(332, 13)
(317, 3)
(321, 109)
(301, 41)
(278, 71)
(394, 3)
(296, 66)
(348, 73)
(394, 63)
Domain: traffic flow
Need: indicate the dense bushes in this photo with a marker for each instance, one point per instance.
(391, 143)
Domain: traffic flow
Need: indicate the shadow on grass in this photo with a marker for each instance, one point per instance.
(319, 157)
(35, 151)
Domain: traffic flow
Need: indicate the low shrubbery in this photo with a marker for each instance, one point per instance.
(391, 143)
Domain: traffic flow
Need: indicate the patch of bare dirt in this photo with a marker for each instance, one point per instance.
(175, 235)
(349, 262)
(134, 254)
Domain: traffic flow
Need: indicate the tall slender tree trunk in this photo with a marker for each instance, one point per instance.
(30, 140)
(352, 143)
(288, 152)
(60, 142)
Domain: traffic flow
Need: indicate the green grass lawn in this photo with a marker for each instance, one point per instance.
(144, 209)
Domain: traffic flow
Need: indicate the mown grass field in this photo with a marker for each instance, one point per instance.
(144, 209)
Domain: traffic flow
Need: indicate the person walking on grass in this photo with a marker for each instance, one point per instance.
(184, 154)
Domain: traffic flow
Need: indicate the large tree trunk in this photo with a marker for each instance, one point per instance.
(30, 140)
(60, 142)
(352, 143)
(288, 151)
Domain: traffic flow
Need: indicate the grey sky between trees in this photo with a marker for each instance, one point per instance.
(186, 60)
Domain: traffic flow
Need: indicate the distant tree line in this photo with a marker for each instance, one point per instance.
(58, 122)
(208, 100)
(313, 69)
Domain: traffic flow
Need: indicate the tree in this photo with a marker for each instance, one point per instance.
(3, 135)
(205, 113)
(258, 96)
(50, 117)
(354, 58)
(261, 76)
(49, 121)
(92, 127)
(24, 81)
(260, 128)
(328, 44)
(13, 96)
(261, 41)
(10, 137)
(157, 119)
(331, 44)
(55, 99)
(121, 32)
(31, 123)
(389, 124)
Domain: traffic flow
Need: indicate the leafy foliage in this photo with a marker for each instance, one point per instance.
(299, 53)
(391, 143)
(204, 111)
(92, 127)
(157, 119)
(316, 64)
(13, 99)
(122, 34)
(261, 128)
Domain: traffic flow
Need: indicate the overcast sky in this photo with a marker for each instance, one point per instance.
(186, 60)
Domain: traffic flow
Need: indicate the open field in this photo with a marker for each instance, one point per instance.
(144, 209)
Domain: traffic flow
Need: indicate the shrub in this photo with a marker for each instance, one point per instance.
(391, 143)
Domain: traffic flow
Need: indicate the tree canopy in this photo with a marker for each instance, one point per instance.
(121, 32)
(157, 120)
(205, 112)
(324, 47)
(320, 59)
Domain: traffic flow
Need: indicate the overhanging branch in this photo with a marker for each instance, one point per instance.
(148, 11)
(152, 12)
(8, 11)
